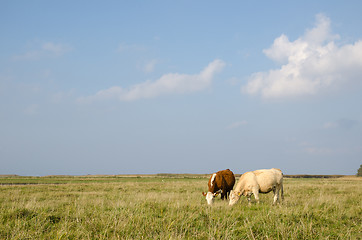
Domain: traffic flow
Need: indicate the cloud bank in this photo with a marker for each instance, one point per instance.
(172, 83)
(309, 65)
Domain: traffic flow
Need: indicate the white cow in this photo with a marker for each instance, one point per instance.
(259, 181)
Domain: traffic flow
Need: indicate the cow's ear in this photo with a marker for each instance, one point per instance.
(204, 194)
(239, 193)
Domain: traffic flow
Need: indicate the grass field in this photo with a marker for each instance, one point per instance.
(166, 207)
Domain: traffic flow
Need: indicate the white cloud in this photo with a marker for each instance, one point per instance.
(150, 66)
(172, 83)
(47, 49)
(55, 49)
(311, 64)
(236, 124)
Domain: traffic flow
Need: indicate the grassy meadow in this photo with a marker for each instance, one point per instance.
(169, 207)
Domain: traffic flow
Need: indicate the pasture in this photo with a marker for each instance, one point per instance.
(172, 207)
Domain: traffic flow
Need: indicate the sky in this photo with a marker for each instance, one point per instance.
(145, 87)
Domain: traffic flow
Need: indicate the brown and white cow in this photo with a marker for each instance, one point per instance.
(220, 182)
(259, 181)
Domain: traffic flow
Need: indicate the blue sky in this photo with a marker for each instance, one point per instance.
(123, 87)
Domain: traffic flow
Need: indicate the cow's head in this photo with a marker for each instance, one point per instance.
(210, 196)
(234, 197)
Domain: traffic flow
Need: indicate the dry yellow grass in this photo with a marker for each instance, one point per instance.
(174, 208)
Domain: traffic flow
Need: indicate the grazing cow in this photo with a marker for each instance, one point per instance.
(259, 181)
(220, 182)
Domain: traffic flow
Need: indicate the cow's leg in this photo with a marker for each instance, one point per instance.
(256, 195)
(276, 195)
(222, 195)
(226, 193)
(248, 196)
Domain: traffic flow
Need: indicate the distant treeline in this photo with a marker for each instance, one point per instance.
(179, 175)
(313, 176)
(175, 175)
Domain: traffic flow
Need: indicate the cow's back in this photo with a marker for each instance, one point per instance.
(226, 179)
(268, 178)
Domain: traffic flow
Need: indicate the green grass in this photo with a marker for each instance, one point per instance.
(164, 207)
